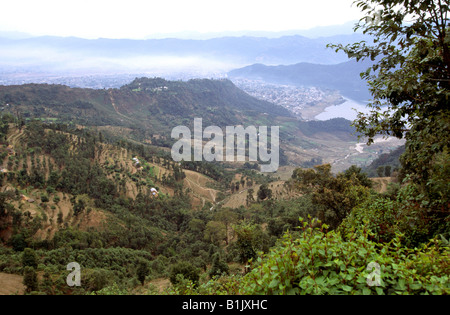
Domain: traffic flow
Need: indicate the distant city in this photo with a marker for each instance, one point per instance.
(94, 81)
(290, 97)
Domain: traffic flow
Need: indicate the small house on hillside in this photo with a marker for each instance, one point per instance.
(137, 163)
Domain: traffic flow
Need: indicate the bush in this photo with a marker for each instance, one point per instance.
(379, 214)
(321, 262)
(96, 279)
(30, 279)
(187, 270)
(44, 198)
(219, 266)
(404, 213)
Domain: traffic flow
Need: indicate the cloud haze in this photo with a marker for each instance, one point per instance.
(140, 19)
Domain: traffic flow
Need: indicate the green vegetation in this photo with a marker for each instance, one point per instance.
(336, 125)
(150, 107)
(75, 194)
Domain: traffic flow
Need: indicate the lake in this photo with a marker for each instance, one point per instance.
(345, 110)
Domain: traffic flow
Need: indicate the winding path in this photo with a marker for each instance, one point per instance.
(113, 103)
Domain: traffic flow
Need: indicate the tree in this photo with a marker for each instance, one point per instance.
(264, 192)
(18, 242)
(3, 206)
(29, 258)
(250, 198)
(142, 271)
(187, 270)
(60, 218)
(410, 85)
(47, 284)
(30, 279)
(215, 232)
(380, 171)
(411, 75)
(334, 196)
(219, 266)
(78, 207)
(387, 171)
(250, 239)
(227, 217)
(358, 175)
(197, 226)
(97, 279)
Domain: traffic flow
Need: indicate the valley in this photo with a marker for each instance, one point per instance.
(80, 167)
(146, 110)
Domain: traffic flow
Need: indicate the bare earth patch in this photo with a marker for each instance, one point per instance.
(11, 284)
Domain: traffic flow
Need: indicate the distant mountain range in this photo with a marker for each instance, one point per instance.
(159, 56)
(344, 77)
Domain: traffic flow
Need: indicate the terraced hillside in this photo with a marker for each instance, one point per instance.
(33, 177)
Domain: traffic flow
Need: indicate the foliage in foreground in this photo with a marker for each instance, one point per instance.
(321, 262)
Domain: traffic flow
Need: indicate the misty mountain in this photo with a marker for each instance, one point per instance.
(344, 77)
(70, 54)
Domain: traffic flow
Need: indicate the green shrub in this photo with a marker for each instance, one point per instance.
(378, 214)
(219, 266)
(187, 270)
(384, 216)
(321, 262)
(44, 198)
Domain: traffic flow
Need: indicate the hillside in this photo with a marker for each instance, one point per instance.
(155, 105)
(68, 196)
(51, 175)
(146, 110)
(344, 77)
(65, 177)
(63, 187)
(390, 159)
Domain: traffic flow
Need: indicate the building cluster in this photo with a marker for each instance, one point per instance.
(293, 98)
(82, 81)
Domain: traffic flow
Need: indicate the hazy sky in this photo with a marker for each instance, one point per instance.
(139, 19)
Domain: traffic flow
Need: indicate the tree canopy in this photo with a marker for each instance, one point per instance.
(410, 84)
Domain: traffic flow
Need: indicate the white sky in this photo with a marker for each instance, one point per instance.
(141, 18)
